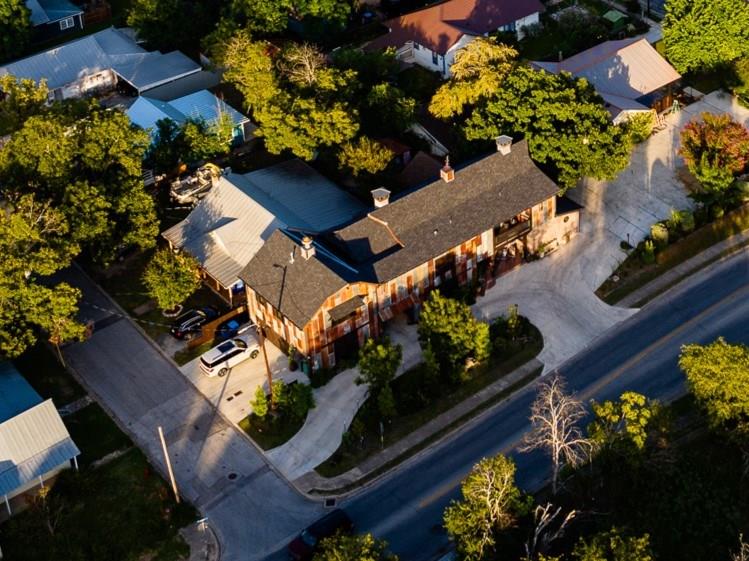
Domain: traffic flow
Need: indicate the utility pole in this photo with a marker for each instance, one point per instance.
(261, 334)
(168, 465)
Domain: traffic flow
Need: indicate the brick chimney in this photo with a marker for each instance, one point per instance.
(447, 173)
(504, 144)
(381, 197)
(307, 248)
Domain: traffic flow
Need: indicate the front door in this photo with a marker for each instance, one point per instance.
(346, 347)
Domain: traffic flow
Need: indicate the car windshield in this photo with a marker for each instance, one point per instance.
(225, 347)
(309, 539)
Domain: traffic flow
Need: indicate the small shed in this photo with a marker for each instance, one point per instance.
(616, 20)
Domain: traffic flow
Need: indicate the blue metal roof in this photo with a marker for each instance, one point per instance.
(16, 395)
(146, 112)
(56, 10)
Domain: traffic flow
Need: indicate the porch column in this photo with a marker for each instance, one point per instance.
(75, 462)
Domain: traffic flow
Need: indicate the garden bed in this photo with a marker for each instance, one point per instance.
(632, 273)
(270, 432)
(420, 398)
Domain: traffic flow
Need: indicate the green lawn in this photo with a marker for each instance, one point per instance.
(95, 434)
(416, 406)
(123, 511)
(269, 433)
(40, 367)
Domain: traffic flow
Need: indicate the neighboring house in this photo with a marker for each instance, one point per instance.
(34, 443)
(101, 62)
(53, 17)
(422, 168)
(431, 37)
(325, 294)
(629, 75)
(228, 227)
(202, 105)
(442, 137)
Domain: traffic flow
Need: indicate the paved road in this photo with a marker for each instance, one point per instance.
(639, 354)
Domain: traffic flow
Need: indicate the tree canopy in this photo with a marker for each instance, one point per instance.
(378, 363)
(450, 330)
(612, 546)
(490, 503)
(271, 16)
(70, 181)
(705, 34)
(171, 277)
(15, 28)
(622, 426)
(718, 377)
(362, 547)
(569, 131)
(716, 150)
(364, 155)
(172, 24)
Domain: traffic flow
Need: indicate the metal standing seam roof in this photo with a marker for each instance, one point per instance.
(38, 15)
(146, 112)
(16, 394)
(106, 49)
(228, 227)
(628, 68)
(55, 10)
(32, 444)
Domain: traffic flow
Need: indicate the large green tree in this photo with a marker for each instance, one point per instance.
(705, 34)
(15, 28)
(171, 277)
(564, 120)
(613, 546)
(450, 330)
(271, 16)
(361, 547)
(622, 427)
(172, 24)
(20, 100)
(718, 377)
(490, 503)
(364, 155)
(378, 362)
(298, 101)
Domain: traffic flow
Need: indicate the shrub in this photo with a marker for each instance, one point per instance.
(686, 221)
(260, 403)
(300, 400)
(640, 126)
(386, 402)
(659, 235)
(648, 252)
(717, 211)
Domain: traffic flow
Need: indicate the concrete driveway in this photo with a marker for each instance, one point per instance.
(556, 293)
(232, 393)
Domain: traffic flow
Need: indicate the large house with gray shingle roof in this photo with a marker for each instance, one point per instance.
(325, 293)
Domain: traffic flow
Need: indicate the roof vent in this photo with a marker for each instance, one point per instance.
(447, 173)
(307, 249)
(381, 197)
(504, 144)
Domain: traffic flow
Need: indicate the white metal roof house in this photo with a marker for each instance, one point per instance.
(53, 17)
(101, 61)
(34, 443)
(228, 227)
(201, 105)
(629, 75)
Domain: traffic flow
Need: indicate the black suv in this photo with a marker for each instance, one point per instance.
(230, 328)
(304, 545)
(189, 324)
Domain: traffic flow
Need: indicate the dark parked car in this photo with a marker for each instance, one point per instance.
(303, 546)
(189, 324)
(230, 328)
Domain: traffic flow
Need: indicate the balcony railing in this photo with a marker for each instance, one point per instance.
(512, 232)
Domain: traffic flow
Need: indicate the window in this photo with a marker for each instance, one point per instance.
(67, 23)
(435, 58)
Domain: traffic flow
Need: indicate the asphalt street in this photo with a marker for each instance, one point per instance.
(640, 354)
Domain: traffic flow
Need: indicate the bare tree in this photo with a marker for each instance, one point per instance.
(555, 416)
(743, 553)
(543, 535)
(301, 64)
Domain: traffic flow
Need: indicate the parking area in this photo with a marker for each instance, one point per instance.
(232, 393)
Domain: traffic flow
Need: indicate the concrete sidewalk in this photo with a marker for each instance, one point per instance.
(313, 482)
(336, 405)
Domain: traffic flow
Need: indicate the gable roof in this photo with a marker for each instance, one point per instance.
(627, 68)
(230, 225)
(16, 394)
(296, 287)
(393, 239)
(433, 219)
(50, 11)
(202, 105)
(106, 49)
(31, 444)
(440, 26)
